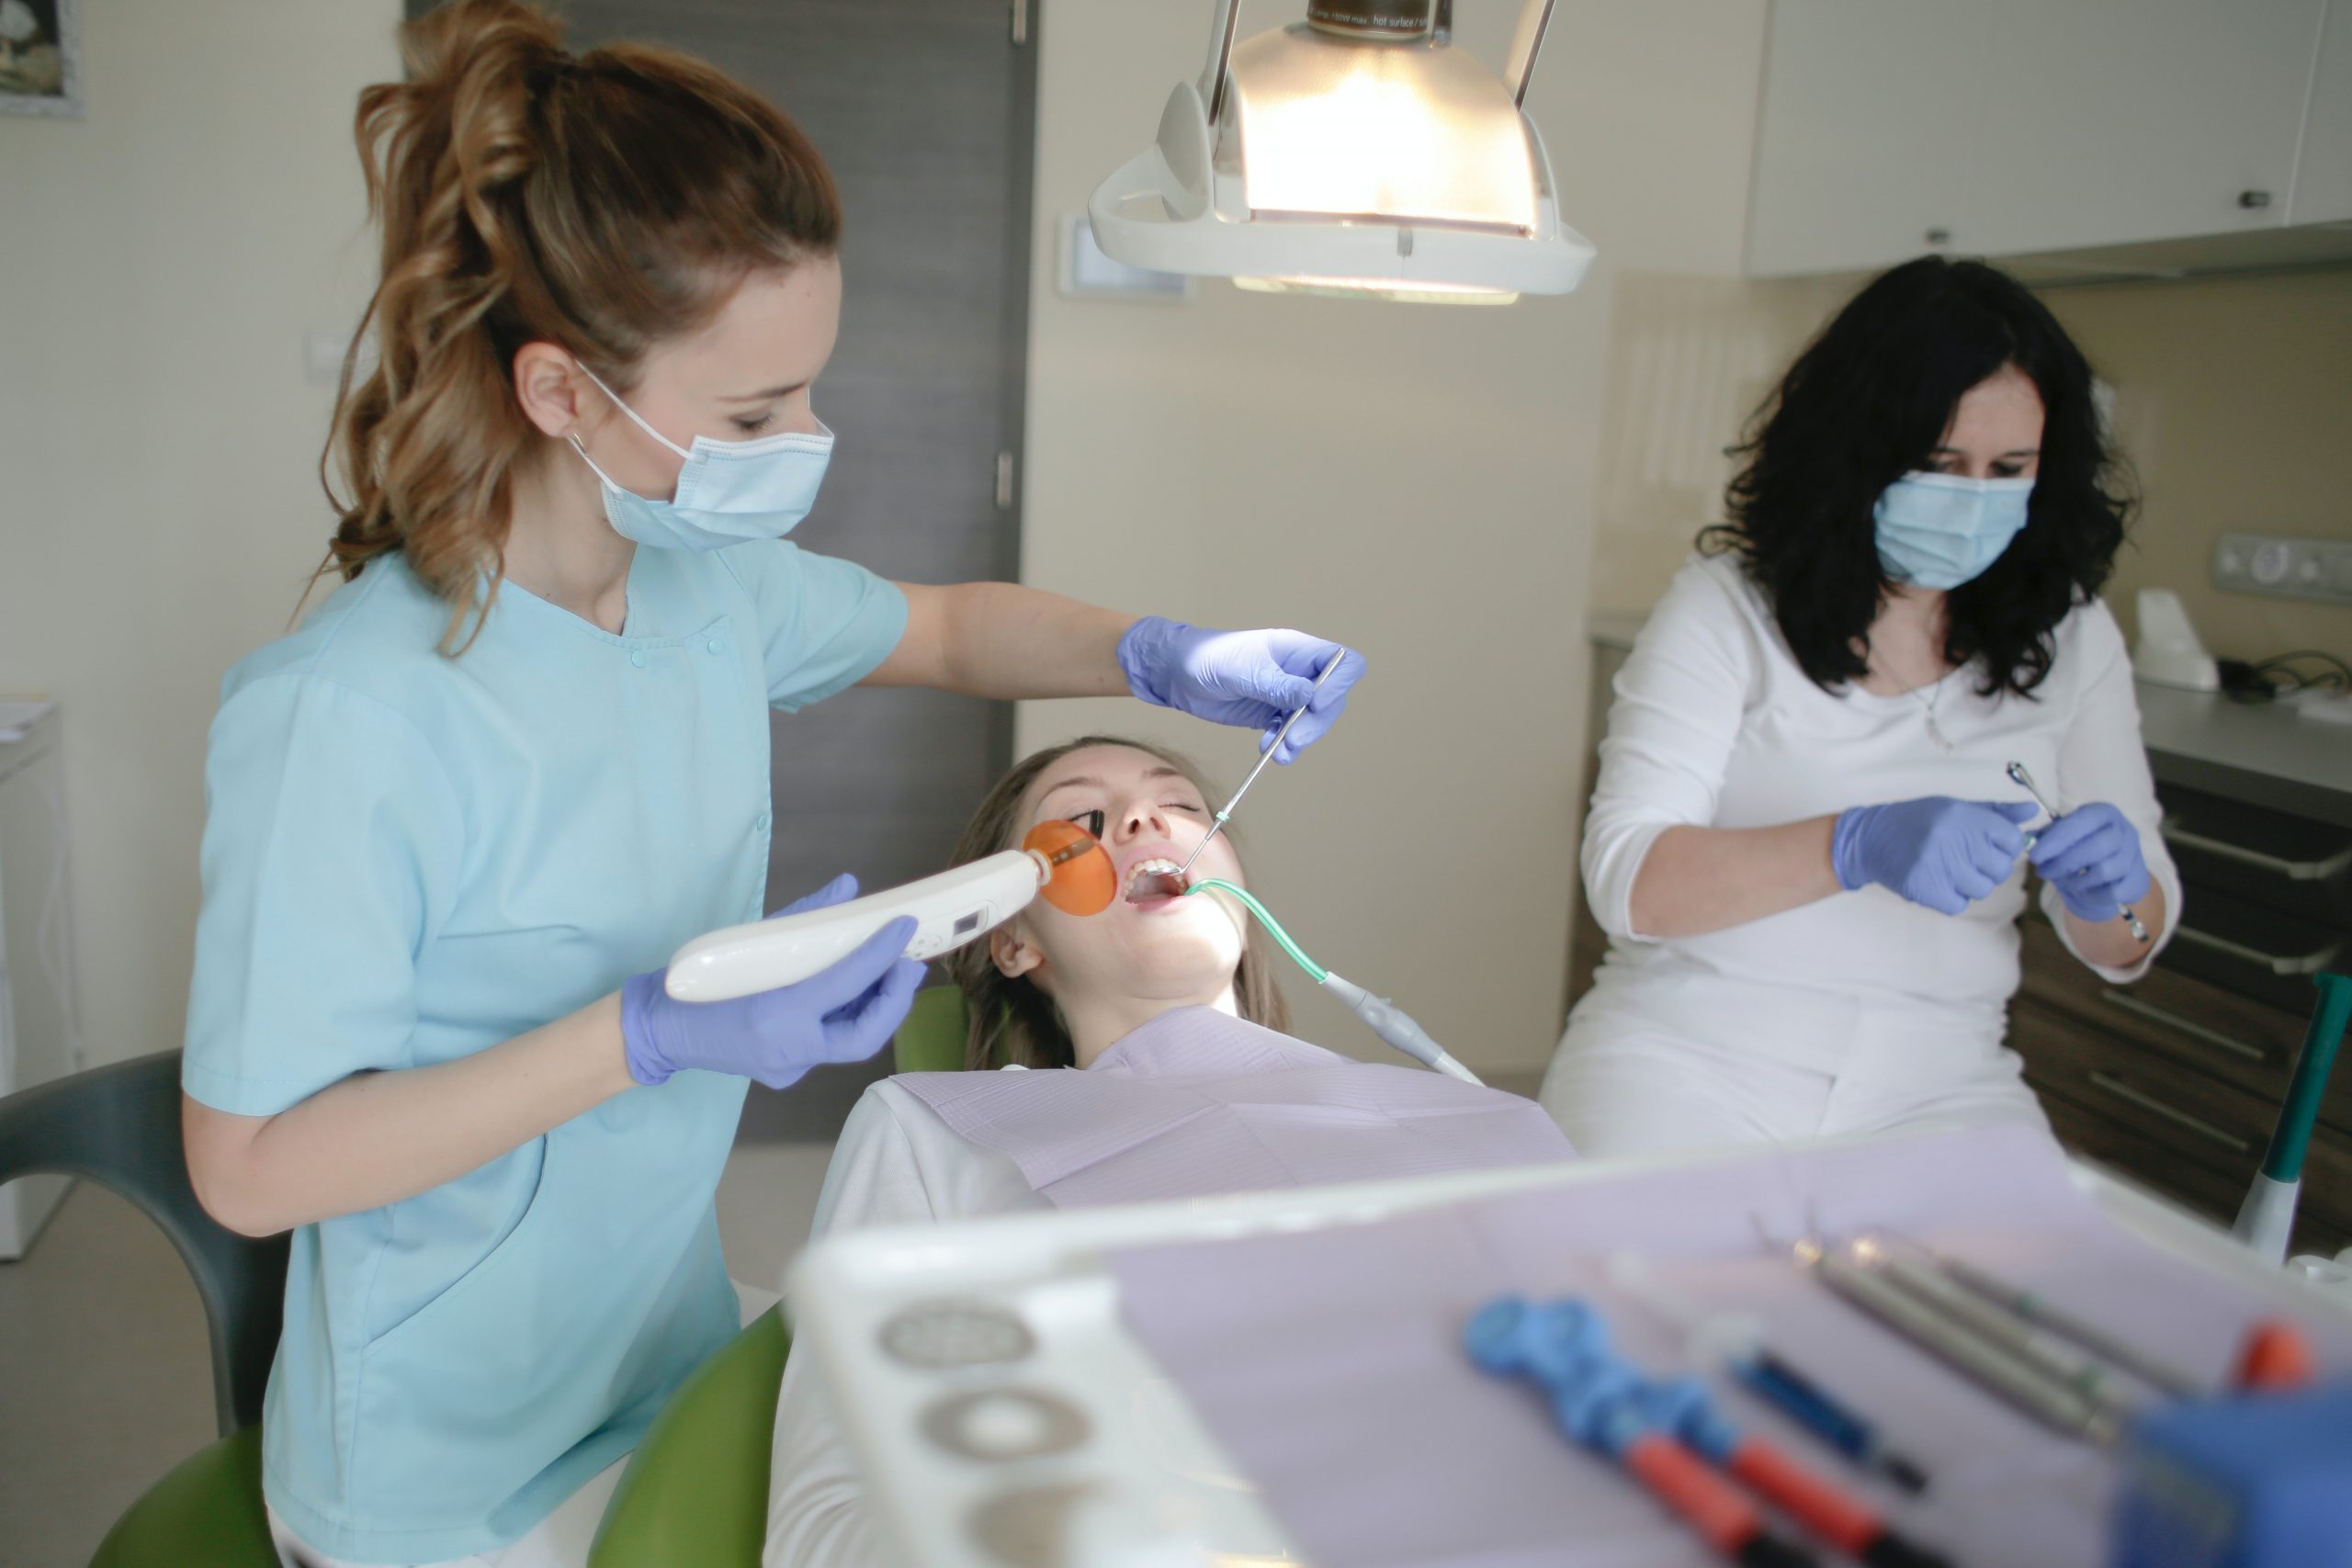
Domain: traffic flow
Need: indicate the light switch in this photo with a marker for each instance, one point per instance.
(1087, 273)
(2291, 568)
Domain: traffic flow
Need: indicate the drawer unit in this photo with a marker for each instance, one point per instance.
(2190, 1135)
(2191, 1022)
(2177, 1080)
(2271, 859)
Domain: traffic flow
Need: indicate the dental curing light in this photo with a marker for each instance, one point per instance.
(1357, 152)
(1059, 861)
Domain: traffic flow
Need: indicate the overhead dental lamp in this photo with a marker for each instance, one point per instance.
(1355, 153)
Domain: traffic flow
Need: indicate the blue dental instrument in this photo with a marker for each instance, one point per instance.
(1739, 1345)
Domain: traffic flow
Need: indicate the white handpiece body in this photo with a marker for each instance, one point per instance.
(950, 909)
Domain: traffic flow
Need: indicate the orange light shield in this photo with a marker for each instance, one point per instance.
(1084, 881)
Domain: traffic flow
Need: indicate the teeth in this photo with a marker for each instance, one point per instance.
(1144, 870)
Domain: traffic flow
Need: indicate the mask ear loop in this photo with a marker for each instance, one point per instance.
(610, 483)
(636, 418)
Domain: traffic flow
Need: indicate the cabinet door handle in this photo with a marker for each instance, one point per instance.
(2306, 963)
(2254, 200)
(2197, 1124)
(2179, 1025)
(2293, 870)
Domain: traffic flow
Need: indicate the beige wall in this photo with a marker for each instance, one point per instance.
(161, 260)
(1415, 480)
(2233, 401)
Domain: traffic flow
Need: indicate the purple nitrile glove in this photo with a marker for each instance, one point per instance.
(1252, 679)
(1937, 851)
(2092, 856)
(842, 1014)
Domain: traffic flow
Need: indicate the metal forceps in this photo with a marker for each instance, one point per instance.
(2024, 781)
(1274, 745)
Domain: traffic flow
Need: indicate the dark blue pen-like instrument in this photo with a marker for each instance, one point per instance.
(1771, 1378)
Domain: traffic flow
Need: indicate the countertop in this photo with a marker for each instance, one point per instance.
(2265, 755)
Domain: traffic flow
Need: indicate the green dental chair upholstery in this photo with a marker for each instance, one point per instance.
(119, 1126)
(696, 1490)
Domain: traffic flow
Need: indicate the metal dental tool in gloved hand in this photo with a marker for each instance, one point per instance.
(2024, 781)
(1267, 756)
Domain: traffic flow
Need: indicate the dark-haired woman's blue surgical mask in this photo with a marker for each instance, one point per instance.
(1942, 530)
(729, 492)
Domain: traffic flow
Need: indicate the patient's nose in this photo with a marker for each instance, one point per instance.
(1142, 818)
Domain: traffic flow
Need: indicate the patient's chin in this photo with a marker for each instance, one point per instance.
(1185, 962)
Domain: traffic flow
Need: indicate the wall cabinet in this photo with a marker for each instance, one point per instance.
(2022, 127)
(1868, 111)
(2324, 175)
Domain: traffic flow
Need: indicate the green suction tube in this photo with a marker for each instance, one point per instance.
(2267, 1217)
(1385, 1018)
(1274, 927)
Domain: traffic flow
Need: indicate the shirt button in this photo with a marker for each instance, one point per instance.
(762, 821)
(638, 659)
(717, 646)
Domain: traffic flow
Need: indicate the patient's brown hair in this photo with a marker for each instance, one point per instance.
(1010, 1019)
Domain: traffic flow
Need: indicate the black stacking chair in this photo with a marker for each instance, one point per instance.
(119, 1126)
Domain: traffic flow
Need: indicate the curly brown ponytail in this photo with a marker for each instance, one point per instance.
(602, 203)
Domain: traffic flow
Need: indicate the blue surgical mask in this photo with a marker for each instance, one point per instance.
(728, 492)
(1942, 530)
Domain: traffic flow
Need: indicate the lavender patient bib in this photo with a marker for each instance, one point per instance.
(1197, 1102)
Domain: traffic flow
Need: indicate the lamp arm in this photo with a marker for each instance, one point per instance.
(1219, 71)
(1526, 43)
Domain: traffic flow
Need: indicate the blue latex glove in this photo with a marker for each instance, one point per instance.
(1941, 852)
(2092, 856)
(843, 1014)
(1254, 678)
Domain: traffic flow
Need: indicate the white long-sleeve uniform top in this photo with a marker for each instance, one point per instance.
(1716, 726)
(897, 1164)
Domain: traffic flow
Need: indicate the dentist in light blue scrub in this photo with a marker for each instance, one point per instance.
(459, 819)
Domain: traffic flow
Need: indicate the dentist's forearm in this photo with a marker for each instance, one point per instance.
(1000, 639)
(376, 1138)
(1696, 880)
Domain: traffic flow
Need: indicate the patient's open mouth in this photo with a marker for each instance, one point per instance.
(1155, 881)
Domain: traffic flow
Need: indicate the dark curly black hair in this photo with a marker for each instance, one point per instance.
(1866, 403)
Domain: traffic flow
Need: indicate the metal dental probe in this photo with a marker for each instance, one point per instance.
(2024, 781)
(1272, 747)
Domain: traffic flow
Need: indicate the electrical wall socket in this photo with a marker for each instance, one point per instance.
(2291, 568)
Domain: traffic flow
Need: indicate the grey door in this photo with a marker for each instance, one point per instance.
(924, 109)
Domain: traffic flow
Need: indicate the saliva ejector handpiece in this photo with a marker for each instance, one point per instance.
(1059, 861)
(1382, 1017)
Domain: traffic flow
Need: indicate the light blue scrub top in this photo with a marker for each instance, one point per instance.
(408, 858)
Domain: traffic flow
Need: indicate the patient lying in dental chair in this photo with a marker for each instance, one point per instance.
(1144, 1058)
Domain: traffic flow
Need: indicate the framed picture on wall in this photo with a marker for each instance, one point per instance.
(40, 57)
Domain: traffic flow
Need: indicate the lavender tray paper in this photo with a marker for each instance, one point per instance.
(1328, 1363)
